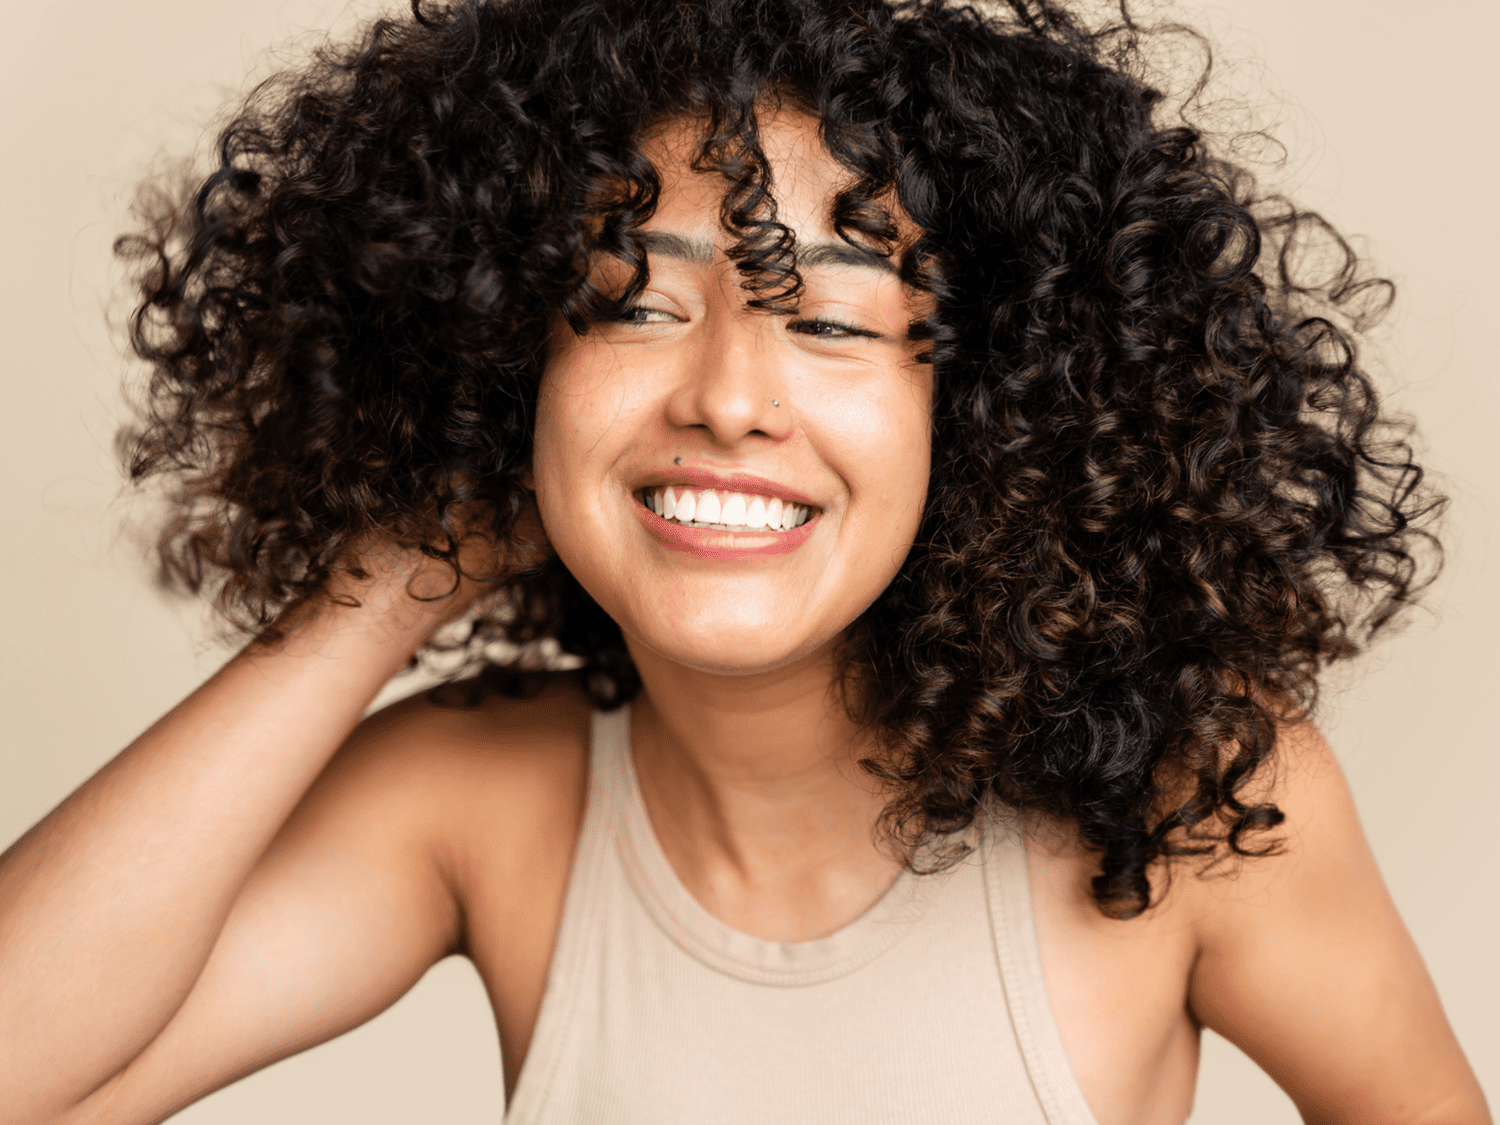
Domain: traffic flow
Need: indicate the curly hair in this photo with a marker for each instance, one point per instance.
(1163, 492)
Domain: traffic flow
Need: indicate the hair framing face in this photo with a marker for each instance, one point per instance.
(1162, 489)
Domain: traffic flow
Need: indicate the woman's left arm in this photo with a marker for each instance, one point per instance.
(1304, 964)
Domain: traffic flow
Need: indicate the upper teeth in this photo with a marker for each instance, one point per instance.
(729, 511)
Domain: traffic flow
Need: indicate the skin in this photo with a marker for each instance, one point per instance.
(262, 870)
(728, 650)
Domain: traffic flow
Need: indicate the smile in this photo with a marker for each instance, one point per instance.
(720, 510)
(729, 536)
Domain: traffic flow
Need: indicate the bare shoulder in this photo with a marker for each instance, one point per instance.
(1299, 957)
(1305, 964)
(1304, 781)
(494, 777)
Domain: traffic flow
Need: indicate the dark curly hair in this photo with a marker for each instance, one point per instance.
(1162, 490)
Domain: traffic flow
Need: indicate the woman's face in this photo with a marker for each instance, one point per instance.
(809, 433)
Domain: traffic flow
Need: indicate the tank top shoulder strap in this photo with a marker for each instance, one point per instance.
(1007, 885)
(582, 905)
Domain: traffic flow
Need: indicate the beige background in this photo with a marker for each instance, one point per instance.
(1391, 124)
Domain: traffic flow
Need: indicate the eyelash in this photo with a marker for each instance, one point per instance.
(626, 317)
(809, 328)
(816, 327)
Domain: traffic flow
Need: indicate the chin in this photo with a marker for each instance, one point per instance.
(725, 648)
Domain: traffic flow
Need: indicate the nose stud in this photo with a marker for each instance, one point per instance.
(676, 460)
(775, 402)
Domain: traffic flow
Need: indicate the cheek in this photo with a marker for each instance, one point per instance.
(881, 442)
(579, 399)
(901, 475)
(560, 446)
(590, 410)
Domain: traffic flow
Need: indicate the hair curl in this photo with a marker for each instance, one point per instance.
(1162, 490)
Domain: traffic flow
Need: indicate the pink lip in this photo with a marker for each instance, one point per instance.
(703, 478)
(722, 546)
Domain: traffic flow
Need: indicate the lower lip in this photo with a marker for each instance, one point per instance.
(722, 546)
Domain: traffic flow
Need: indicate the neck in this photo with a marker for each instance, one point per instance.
(754, 790)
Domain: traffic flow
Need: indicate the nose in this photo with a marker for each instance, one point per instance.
(733, 383)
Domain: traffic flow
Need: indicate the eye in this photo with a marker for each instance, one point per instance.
(641, 314)
(830, 330)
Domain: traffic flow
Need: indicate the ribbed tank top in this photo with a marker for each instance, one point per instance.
(929, 1007)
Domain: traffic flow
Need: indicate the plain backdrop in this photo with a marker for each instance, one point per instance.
(1389, 116)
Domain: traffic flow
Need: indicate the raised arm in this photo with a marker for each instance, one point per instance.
(111, 907)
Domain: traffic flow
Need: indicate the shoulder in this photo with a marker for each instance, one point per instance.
(1297, 956)
(1304, 963)
(1259, 920)
(461, 727)
(485, 779)
(1318, 850)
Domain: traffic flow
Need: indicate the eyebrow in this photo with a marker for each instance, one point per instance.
(809, 255)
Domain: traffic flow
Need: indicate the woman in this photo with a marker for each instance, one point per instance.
(708, 290)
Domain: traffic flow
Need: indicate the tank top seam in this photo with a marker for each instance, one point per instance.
(685, 922)
(682, 933)
(1012, 921)
(562, 995)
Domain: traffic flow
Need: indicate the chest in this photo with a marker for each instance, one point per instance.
(935, 1007)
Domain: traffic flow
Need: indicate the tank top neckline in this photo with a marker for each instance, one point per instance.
(618, 991)
(714, 942)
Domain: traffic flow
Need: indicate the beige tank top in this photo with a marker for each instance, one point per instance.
(929, 1007)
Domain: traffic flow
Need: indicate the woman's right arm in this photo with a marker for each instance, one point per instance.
(156, 883)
